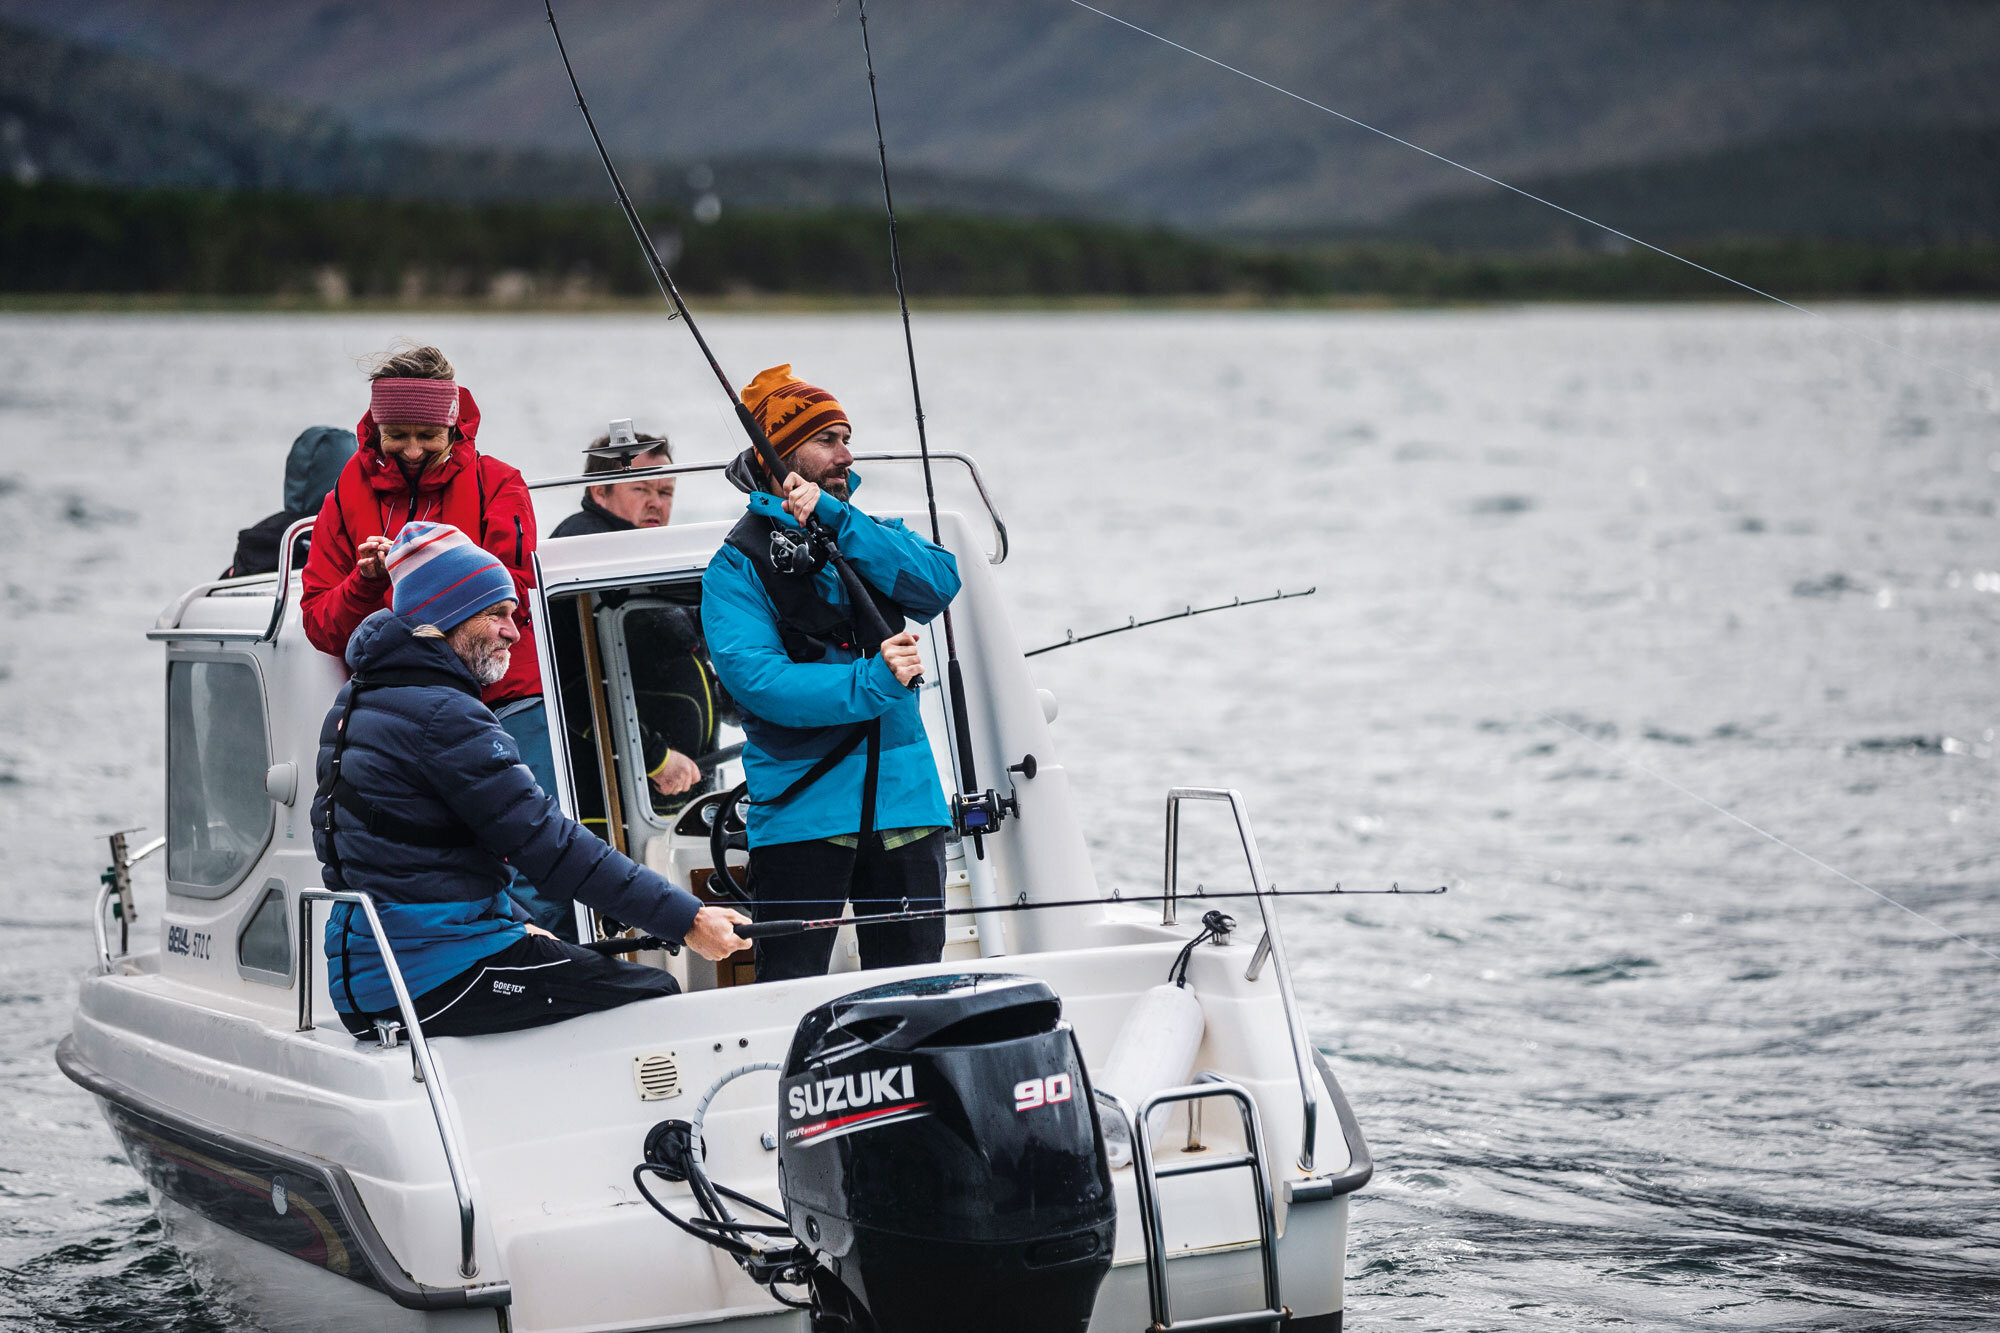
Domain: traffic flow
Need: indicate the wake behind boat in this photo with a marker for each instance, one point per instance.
(315, 1179)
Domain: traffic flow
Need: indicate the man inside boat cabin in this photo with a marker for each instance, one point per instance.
(423, 804)
(626, 505)
(845, 802)
(680, 703)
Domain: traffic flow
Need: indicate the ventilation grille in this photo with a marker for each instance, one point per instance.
(657, 1077)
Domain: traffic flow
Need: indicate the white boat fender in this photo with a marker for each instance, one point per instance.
(1156, 1047)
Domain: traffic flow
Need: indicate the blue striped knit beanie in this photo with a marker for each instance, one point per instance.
(441, 578)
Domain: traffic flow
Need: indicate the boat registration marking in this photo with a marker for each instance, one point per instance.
(189, 943)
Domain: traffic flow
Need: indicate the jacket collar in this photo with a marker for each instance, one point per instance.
(383, 474)
(606, 517)
(386, 641)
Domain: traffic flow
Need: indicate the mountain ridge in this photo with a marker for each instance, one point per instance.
(82, 113)
(1044, 92)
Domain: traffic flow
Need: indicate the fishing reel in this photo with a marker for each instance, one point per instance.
(975, 814)
(794, 551)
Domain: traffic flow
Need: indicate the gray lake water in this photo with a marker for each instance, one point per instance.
(1643, 1066)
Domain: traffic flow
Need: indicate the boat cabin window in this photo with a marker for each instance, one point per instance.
(218, 817)
(264, 946)
(636, 684)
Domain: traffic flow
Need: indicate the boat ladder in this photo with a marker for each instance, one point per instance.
(1148, 1176)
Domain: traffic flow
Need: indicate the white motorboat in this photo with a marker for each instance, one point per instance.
(316, 1180)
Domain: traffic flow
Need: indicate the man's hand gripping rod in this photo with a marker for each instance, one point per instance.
(873, 627)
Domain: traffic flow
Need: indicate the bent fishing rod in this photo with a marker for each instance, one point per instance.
(1134, 622)
(871, 622)
(975, 812)
(760, 930)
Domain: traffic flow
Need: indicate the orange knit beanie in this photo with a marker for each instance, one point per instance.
(790, 410)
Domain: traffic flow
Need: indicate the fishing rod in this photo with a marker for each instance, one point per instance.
(1135, 623)
(767, 929)
(974, 812)
(872, 623)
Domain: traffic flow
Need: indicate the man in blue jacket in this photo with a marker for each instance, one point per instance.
(423, 802)
(845, 801)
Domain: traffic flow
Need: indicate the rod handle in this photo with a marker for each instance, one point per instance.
(763, 930)
(618, 944)
(872, 623)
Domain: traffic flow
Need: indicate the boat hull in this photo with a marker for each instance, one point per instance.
(206, 1180)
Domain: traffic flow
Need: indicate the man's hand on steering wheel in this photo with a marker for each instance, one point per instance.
(675, 774)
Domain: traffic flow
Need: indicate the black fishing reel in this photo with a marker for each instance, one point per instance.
(975, 814)
(796, 551)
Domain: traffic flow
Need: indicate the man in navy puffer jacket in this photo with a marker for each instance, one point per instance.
(430, 801)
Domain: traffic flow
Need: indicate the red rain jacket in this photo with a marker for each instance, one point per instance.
(482, 497)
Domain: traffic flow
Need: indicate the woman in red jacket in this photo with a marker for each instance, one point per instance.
(418, 462)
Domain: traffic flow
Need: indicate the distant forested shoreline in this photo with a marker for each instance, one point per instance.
(84, 240)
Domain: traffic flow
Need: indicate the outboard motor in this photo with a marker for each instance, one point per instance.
(940, 1158)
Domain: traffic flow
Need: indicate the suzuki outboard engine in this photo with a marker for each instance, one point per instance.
(940, 1157)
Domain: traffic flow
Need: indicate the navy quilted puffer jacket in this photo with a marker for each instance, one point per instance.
(433, 756)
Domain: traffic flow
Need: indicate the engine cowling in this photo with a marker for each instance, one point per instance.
(940, 1154)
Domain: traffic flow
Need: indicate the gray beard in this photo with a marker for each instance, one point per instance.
(487, 665)
(837, 489)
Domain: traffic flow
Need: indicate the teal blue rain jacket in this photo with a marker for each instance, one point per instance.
(781, 698)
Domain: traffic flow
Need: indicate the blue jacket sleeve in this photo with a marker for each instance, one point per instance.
(481, 777)
(745, 648)
(919, 576)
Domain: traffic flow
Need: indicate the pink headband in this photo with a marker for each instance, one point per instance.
(413, 402)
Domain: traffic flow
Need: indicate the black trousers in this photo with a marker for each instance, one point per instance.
(532, 982)
(812, 879)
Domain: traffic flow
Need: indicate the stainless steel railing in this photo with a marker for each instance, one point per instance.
(427, 1073)
(1147, 1176)
(169, 624)
(686, 469)
(1273, 942)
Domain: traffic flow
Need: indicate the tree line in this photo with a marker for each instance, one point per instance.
(60, 238)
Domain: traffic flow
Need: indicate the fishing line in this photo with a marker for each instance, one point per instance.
(778, 926)
(956, 716)
(869, 618)
(1978, 380)
(1697, 797)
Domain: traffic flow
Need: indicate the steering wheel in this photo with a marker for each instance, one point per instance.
(727, 833)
